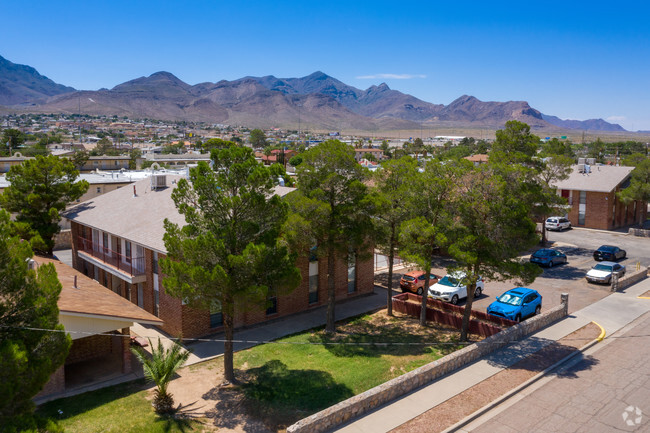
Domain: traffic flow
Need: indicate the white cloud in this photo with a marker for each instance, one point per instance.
(391, 76)
(616, 119)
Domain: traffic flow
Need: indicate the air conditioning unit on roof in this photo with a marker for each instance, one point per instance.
(158, 181)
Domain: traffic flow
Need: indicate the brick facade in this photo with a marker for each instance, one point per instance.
(604, 211)
(182, 320)
(94, 346)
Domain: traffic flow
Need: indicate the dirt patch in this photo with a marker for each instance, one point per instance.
(469, 401)
(198, 392)
(373, 324)
(645, 295)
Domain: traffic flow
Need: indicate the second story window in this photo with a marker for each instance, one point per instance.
(127, 251)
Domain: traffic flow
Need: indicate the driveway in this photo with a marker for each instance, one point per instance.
(578, 244)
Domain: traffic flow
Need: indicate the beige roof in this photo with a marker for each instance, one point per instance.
(91, 298)
(479, 157)
(601, 178)
(139, 219)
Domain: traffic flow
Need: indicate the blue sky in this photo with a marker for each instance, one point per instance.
(571, 59)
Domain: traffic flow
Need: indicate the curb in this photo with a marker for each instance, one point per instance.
(490, 406)
(602, 335)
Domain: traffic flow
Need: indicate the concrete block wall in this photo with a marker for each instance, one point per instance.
(353, 407)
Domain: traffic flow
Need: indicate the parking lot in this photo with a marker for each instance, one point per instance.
(579, 245)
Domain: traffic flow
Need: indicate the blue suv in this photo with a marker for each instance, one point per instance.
(516, 304)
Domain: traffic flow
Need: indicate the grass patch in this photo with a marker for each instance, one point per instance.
(121, 408)
(288, 381)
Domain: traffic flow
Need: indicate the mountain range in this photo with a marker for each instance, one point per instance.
(315, 101)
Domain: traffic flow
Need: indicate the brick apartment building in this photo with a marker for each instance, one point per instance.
(118, 241)
(591, 193)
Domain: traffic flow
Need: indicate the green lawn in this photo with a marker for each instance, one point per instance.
(288, 381)
(281, 382)
(118, 409)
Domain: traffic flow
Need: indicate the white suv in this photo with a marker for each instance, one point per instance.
(451, 288)
(557, 223)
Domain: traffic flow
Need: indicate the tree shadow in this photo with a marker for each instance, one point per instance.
(178, 421)
(537, 354)
(374, 340)
(583, 363)
(78, 404)
(563, 272)
(275, 394)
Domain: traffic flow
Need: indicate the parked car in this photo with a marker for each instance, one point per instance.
(557, 223)
(603, 272)
(516, 304)
(548, 257)
(609, 252)
(452, 288)
(414, 281)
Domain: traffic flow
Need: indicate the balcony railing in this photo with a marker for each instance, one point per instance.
(130, 265)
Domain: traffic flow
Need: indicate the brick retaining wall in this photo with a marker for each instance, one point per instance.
(356, 406)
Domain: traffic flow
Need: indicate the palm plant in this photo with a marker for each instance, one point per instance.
(160, 368)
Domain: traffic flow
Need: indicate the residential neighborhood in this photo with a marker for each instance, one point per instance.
(307, 239)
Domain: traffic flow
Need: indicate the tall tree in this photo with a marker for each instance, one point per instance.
(515, 144)
(331, 200)
(229, 253)
(11, 139)
(431, 199)
(257, 138)
(391, 199)
(639, 188)
(491, 227)
(40, 189)
(79, 158)
(28, 299)
(554, 168)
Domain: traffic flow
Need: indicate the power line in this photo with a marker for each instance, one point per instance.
(216, 340)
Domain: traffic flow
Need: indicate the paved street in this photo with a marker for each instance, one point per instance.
(607, 390)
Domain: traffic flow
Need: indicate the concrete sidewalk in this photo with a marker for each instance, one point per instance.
(268, 331)
(612, 313)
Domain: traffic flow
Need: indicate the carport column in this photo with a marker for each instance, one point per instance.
(126, 350)
(565, 301)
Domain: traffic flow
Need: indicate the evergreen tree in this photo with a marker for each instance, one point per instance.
(40, 189)
(28, 299)
(331, 201)
(229, 252)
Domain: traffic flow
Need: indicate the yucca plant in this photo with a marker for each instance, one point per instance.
(160, 368)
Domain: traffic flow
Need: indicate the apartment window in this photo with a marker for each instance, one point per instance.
(352, 272)
(272, 303)
(127, 251)
(105, 243)
(582, 208)
(99, 190)
(216, 316)
(156, 301)
(140, 295)
(155, 262)
(313, 282)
